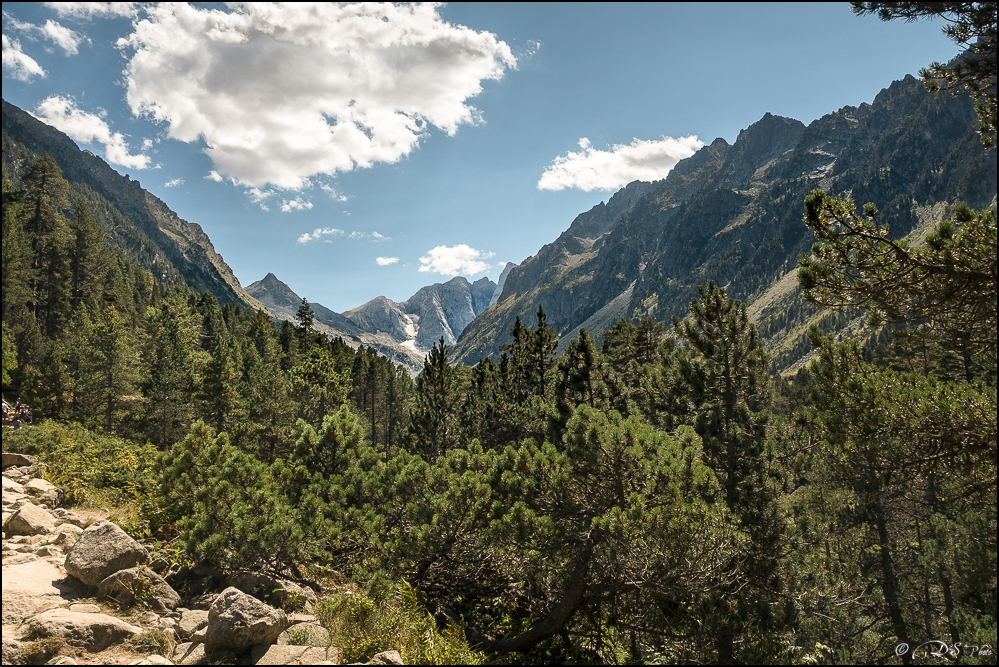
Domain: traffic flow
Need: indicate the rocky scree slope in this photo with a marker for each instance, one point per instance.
(732, 214)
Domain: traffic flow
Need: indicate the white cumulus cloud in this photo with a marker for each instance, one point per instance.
(319, 233)
(65, 38)
(85, 127)
(90, 10)
(593, 169)
(174, 183)
(280, 93)
(455, 260)
(214, 176)
(385, 261)
(16, 63)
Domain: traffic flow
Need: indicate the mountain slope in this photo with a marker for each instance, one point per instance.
(403, 332)
(732, 214)
(135, 220)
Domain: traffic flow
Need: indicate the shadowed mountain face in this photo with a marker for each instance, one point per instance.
(403, 332)
(139, 223)
(732, 214)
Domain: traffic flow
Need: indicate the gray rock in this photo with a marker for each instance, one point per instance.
(152, 660)
(102, 550)
(10, 486)
(11, 460)
(139, 585)
(191, 620)
(305, 634)
(94, 632)
(237, 621)
(159, 566)
(274, 590)
(31, 520)
(28, 587)
(11, 651)
(19, 559)
(47, 493)
(62, 660)
(292, 655)
(65, 536)
(47, 551)
(190, 654)
(387, 658)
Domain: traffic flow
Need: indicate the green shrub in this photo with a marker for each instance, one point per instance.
(362, 627)
(93, 469)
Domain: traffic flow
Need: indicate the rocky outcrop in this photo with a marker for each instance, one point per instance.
(102, 550)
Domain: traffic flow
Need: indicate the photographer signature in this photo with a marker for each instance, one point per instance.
(939, 649)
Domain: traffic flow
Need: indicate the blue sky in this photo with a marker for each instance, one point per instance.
(357, 154)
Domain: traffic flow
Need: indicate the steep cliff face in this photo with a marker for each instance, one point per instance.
(158, 232)
(732, 214)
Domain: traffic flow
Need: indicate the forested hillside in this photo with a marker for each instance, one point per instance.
(659, 495)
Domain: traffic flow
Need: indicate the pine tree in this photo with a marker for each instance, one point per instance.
(433, 423)
(108, 366)
(170, 384)
(221, 392)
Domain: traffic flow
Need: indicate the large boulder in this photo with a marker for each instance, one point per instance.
(11, 652)
(94, 632)
(12, 459)
(32, 586)
(139, 584)
(31, 520)
(274, 590)
(237, 621)
(102, 550)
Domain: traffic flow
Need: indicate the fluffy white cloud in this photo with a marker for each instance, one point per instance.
(62, 113)
(66, 39)
(319, 233)
(89, 10)
(296, 204)
(385, 261)
(215, 176)
(641, 160)
(455, 260)
(16, 63)
(283, 92)
(174, 183)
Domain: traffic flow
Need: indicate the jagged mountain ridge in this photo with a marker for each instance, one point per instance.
(732, 214)
(403, 332)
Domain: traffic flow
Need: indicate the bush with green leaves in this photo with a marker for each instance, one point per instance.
(362, 626)
(94, 469)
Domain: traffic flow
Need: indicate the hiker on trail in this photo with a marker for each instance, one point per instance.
(6, 411)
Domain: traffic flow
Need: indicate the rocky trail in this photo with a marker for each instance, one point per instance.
(78, 590)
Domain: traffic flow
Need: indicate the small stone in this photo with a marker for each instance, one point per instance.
(10, 486)
(46, 551)
(387, 658)
(82, 608)
(190, 622)
(159, 566)
(291, 655)
(11, 651)
(61, 660)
